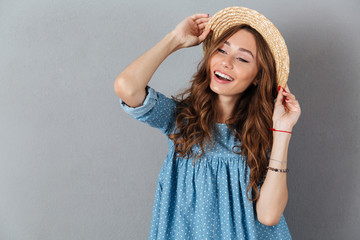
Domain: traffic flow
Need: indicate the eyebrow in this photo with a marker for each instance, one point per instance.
(240, 49)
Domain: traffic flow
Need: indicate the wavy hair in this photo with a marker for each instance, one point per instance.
(196, 112)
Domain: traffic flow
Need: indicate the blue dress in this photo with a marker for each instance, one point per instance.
(206, 201)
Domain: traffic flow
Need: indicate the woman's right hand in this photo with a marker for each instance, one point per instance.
(190, 32)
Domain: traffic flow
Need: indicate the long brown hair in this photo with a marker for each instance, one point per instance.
(196, 112)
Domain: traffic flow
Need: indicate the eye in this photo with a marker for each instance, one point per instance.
(220, 50)
(242, 60)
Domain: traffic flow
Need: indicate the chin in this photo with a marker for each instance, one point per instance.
(218, 88)
(213, 89)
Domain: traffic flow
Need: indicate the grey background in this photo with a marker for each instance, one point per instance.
(73, 165)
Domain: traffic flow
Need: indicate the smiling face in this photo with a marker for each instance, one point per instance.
(233, 66)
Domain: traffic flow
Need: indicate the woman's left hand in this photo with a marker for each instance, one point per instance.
(286, 112)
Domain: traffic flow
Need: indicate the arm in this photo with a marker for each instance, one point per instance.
(130, 84)
(274, 193)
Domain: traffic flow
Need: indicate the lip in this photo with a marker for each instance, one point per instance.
(219, 80)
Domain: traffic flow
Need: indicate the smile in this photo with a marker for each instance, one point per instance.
(222, 77)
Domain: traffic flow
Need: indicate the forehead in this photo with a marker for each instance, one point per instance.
(242, 39)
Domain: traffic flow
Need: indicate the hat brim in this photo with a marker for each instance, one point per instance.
(232, 16)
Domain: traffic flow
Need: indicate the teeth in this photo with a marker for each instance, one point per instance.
(223, 75)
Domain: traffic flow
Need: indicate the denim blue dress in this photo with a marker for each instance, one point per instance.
(206, 201)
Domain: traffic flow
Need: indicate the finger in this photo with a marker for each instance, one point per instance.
(293, 105)
(289, 95)
(287, 88)
(204, 35)
(289, 101)
(199, 15)
(292, 101)
(280, 97)
(202, 26)
(202, 20)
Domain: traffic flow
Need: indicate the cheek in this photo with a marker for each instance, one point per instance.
(211, 63)
(247, 71)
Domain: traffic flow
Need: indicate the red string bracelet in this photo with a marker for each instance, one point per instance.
(279, 130)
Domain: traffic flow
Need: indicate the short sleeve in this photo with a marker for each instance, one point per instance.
(157, 110)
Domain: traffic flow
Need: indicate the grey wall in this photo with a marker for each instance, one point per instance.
(73, 165)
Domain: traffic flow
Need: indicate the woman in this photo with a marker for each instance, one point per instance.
(219, 180)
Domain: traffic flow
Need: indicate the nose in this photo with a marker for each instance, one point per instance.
(227, 62)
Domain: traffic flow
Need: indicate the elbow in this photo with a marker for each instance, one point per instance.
(270, 214)
(269, 220)
(121, 89)
(118, 86)
(128, 93)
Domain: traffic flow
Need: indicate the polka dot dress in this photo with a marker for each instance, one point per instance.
(206, 201)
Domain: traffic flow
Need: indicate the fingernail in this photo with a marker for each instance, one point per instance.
(286, 99)
(279, 88)
(285, 91)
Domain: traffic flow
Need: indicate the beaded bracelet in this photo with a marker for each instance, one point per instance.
(278, 170)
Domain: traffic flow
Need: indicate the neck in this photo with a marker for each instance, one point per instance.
(225, 106)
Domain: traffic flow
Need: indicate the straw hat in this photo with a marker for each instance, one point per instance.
(231, 16)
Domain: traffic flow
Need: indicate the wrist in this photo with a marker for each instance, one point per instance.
(175, 41)
(282, 127)
(282, 131)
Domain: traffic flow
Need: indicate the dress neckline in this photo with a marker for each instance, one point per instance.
(221, 125)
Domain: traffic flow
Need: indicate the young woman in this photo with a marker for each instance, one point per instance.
(228, 134)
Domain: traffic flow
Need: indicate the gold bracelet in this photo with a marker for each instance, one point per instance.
(278, 170)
